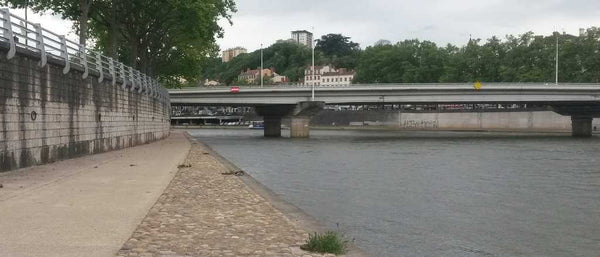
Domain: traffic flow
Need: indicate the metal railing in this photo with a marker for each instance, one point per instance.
(466, 85)
(20, 33)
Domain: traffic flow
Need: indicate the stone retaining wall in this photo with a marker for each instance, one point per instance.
(521, 120)
(48, 116)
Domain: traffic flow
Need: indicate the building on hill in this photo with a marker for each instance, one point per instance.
(315, 79)
(328, 75)
(303, 37)
(211, 82)
(279, 79)
(232, 53)
(338, 78)
(250, 76)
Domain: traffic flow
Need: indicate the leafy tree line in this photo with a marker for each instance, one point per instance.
(286, 58)
(168, 39)
(524, 58)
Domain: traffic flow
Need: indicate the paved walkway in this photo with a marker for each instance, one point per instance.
(86, 206)
(204, 212)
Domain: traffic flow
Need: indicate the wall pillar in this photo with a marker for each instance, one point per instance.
(272, 126)
(581, 126)
(299, 127)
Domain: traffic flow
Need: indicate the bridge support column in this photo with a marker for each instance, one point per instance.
(272, 115)
(581, 126)
(298, 113)
(299, 127)
(272, 126)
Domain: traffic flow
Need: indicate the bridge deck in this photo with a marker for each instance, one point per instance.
(395, 93)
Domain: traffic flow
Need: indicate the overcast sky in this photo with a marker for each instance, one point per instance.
(366, 21)
(441, 21)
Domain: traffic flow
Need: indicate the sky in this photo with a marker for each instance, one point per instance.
(49, 22)
(367, 21)
(440, 21)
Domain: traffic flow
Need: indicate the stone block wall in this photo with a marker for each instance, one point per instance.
(48, 116)
(517, 121)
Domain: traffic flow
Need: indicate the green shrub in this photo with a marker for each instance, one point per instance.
(328, 242)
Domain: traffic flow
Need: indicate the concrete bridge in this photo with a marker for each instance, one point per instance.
(580, 101)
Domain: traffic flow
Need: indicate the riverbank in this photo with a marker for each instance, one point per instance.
(207, 210)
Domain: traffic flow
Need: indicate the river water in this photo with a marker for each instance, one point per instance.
(434, 193)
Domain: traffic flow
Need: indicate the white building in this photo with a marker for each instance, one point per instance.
(211, 82)
(303, 37)
(328, 75)
(340, 77)
(279, 79)
(315, 79)
(232, 53)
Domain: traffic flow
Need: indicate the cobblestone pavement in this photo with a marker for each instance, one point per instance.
(205, 213)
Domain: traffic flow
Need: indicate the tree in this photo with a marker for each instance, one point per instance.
(164, 38)
(286, 58)
(75, 10)
(336, 45)
(338, 50)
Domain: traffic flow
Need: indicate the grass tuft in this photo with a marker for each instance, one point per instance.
(328, 242)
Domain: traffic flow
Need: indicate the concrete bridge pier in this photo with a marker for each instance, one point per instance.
(300, 118)
(299, 114)
(272, 126)
(581, 126)
(299, 127)
(272, 115)
(581, 117)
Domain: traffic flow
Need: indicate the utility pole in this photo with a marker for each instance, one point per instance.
(312, 44)
(556, 58)
(261, 65)
(26, 21)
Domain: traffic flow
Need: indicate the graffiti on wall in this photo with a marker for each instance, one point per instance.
(420, 124)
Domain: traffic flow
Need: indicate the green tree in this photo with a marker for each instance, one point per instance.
(338, 50)
(285, 58)
(75, 10)
(336, 45)
(164, 38)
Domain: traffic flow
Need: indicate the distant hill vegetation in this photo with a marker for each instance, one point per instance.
(524, 58)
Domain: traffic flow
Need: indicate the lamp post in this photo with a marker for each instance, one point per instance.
(26, 21)
(312, 44)
(556, 58)
(261, 65)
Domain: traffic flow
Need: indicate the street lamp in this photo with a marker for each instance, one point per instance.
(261, 65)
(26, 21)
(312, 44)
(556, 65)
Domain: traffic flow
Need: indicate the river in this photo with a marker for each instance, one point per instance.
(434, 193)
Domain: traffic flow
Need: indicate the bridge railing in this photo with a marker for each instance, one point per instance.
(524, 85)
(20, 33)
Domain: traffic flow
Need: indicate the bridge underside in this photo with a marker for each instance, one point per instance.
(581, 117)
(299, 115)
(580, 102)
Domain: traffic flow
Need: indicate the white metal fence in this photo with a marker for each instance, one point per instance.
(18, 32)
